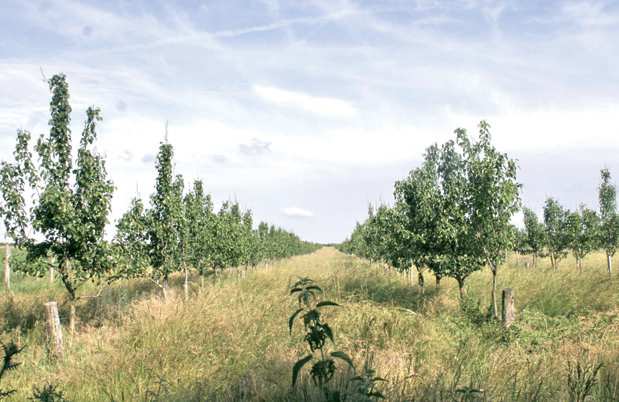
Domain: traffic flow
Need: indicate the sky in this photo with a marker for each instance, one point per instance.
(307, 111)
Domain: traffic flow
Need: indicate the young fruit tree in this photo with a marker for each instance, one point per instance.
(582, 227)
(493, 194)
(557, 239)
(166, 222)
(64, 226)
(535, 234)
(198, 211)
(458, 206)
(609, 220)
(131, 242)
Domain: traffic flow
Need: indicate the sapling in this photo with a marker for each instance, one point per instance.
(317, 332)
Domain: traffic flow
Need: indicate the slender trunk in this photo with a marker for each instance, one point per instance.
(438, 281)
(7, 267)
(421, 281)
(609, 263)
(72, 317)
(495, 314)
(461, 289)
(201, 281)
(164, 288)
(51, 275)
(534, 260)
(579, 262)
(186, 285)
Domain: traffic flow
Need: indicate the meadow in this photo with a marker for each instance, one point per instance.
(230, 341)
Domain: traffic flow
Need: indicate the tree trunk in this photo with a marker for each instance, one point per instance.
(164, 288)
(534, 260)
(461, 289)
(51, 275)
(495, 313)
(201, 281)
(186, 285)
(7, 267)
(54, 330)
(579, 263)
(609, 263)
(72, 317)
(438, 281)
(421, 281)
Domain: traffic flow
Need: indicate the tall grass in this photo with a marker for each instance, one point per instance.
(230, 342)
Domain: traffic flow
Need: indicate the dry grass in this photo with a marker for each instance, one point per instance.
(230, 341)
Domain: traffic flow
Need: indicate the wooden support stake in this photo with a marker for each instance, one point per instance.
(54, 330)
(509, 308)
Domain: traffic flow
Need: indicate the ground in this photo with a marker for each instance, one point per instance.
(230, 341)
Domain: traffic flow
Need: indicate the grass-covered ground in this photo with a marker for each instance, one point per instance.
(230, 341)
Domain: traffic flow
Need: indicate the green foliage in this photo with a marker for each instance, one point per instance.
(180, 231)
(556, 224)
(48, 393)
(535, 234)
(609, 220)
(452, 214)
(582, 232)
(317, 333)
(165, 219)
(10, 351)
(70, 205)
(199, 211)
(131, 242)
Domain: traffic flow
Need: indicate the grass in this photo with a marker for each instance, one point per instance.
(230, 342)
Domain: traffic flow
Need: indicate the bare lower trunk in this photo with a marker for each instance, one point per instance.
(579, 262)
(72, 317)
(438, 281)
(534, 261)
(201, 281)
(421, 281)
(609, 263)
(51, 275)
(461, 289)
(186, 285)
(495, 313)
(164, 289)
(7, 267)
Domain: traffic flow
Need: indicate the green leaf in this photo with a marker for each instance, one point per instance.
(328, 331)
(376, 394)
(292, 318)
(343, 356)
(298, 366)
(327, 303)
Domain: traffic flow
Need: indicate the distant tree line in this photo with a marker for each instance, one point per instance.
(55, 209)
(580, 232)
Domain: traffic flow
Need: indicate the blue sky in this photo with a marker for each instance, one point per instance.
(306, 111)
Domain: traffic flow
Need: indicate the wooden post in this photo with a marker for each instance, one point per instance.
(7, 267)
(509, 308)
(54, 330)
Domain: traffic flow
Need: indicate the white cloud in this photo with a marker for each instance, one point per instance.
(325, 106)
(296, 212)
